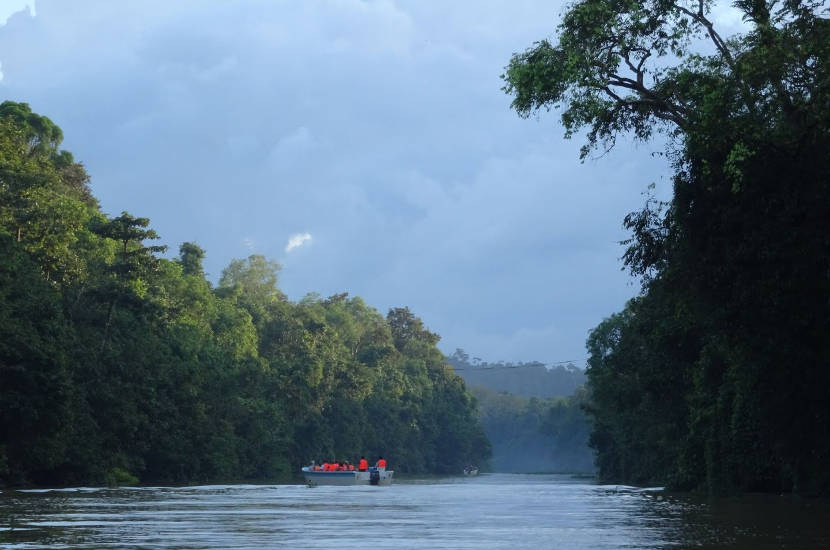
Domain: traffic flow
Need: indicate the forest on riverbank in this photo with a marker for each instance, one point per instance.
(120, 365)
(714, 377)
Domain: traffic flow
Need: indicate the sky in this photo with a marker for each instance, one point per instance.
(366, 146)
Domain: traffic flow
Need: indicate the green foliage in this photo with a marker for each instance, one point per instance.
(44, 198)
(117, 477)
(191, 256)
(714, 377)
(42, 136)
(118, 366)
(36, 394)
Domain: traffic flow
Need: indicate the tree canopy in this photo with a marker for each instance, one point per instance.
(710, 378)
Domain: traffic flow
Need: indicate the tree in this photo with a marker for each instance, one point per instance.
(406, 328)
(42, 135)
(35, 388)
(43, 193)
(611, 68)
(732, 265)
(191, 256)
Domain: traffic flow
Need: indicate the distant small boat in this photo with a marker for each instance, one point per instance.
(471, 471)
(375, 476)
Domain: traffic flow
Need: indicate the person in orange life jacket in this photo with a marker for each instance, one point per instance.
(326, 466)
(351, 467)
(381, 463)
(363, 465)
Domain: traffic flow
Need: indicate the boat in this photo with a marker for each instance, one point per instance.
(375, 476)
(471, 471)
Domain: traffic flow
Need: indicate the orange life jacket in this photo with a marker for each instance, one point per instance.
(351, 467)
(364, 465)
(381, 463)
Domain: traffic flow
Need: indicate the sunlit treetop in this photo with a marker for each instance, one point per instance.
(644, 65)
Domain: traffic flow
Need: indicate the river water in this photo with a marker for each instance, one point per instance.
(497, 511)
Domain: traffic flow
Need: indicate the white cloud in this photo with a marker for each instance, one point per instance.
(728, 19)
(297, 240)
(11, 7)
(248, 243)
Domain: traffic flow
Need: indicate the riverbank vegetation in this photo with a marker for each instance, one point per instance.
(117, 363)
(715, 377)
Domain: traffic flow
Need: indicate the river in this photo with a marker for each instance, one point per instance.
(496, 511)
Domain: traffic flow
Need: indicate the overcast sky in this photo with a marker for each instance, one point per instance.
(364, 145)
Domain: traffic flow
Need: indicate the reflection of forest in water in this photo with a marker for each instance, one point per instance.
(751, 521)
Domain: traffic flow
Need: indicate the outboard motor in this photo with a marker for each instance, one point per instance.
(374, 477)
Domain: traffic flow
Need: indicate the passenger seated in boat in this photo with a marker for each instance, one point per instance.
(381, 464)
(351, 467)
(363, 465)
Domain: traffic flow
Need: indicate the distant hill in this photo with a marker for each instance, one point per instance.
(532, 379)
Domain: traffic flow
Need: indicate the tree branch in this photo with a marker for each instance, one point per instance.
(700, 17)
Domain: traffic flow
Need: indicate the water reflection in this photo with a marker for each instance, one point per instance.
(489, 511)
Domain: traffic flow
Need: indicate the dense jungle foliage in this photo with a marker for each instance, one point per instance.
(716, 376)
(119, 365)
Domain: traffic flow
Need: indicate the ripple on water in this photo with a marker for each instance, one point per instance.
(488, 511)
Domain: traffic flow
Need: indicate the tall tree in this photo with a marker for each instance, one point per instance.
(733, 264)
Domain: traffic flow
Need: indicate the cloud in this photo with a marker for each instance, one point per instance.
(292, 148)
(380, 124)
(11, 7)
(297, 240)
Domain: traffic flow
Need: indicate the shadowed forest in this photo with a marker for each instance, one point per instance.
(715, 376)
